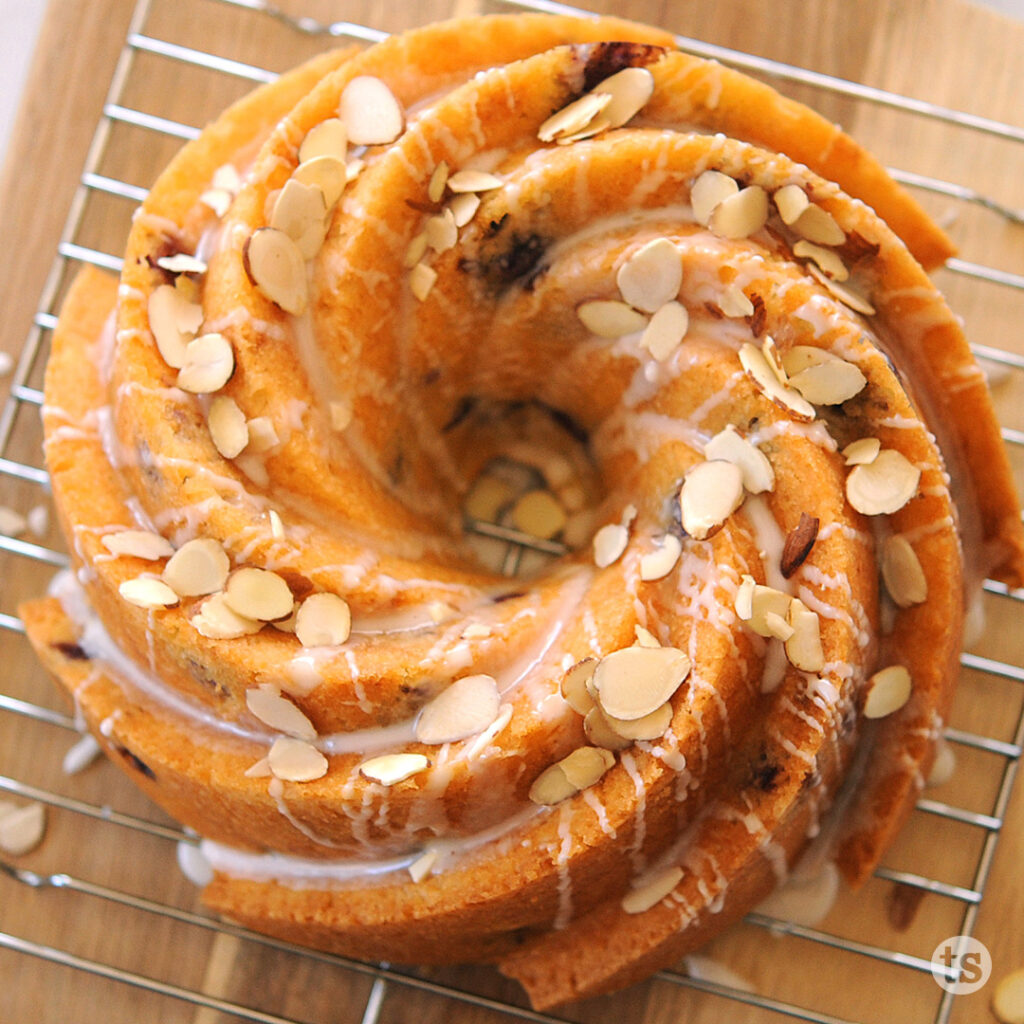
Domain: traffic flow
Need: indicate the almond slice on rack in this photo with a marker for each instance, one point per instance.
(293, 760)
(258, 594)
(144, 544)
(198, 567)
(651, 276)
(710, 493)
(884, 485)
(634, 681)
(323, 620)
(467, 707)
(887, 691)
(902, 572)
(276, 266)
(271, 708)
(390, 769)
(370, 112)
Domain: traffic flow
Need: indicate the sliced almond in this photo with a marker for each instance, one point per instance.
(341, 415)
(731, 446)
(551, 786)
(416, 250)
(630, 89)
(323, 620)
(634, 681)
(217, 199)
(803, 648)
(301, 213)
(421, 280)
(228, 429)
(217, 621)
(883, 486)
(828, 262)
(798, 544)
(423, 866)
(328, 138)
(790, 201)
(830, 382)
(778, 627)
(599, 732)
(819, 226)
(887, 691)
(742, 214)
(846, 295)
(651, 276)
(585, 766)
(651, 726)
(271, 708)
(21, 828)
(609, 544)
(438, 180)
(463, 207)
(293, 760)
(441, 231)
(276, 525)
(258, 594)
(476, 631)
(609, 318)
(327, 173)
(474, 181)
(595, 127)
(487, 497)
(539, 514)
(390, 769)
(467, 707)
(710, 189)
(710, 493)
(147, 592)
(144, 544)
(666, 330)
(262, 435)
(573, 117)
(198, 567)
(1008, 998)
(743, 603)
(652, 889)
(370, 112)
(208, 364)
(277, 268)
(573, 687)
(174, 321)
(773, 357)
(862, 451)
(765, 601)
(644, 637)
(902, 572)
(734, 302)
(760, 372)
(657, 564)
(182, 263)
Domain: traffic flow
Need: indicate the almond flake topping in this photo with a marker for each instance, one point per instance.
(438, 180)
(634, 681)
(666, 330)
(883, 486)
(862, 451)
(575, 772)
(301, 213)
(803, 648)
(463, 206)
(846, 295)
(710, 189)
(441, 231)
(262, 435)
(731, 446)
(198, 567)
(887, 691)
(208, 365)
(473, 181)
(760, 372)
(277, 268)
(142, 544)
(21, 828)
(174, 321)
(389, 769)
(764, 601)
(790, 201)
(733, 302)
(599, 732)
(147, 592)
(710, 493)
(630, 89)
(609, 544)
(742, 214)
(539, 514)
(271, 708)
(328, 138)
(654, 887)
(258, 594)
(819, 226)
(217, 621)
(902, 572)
(651, 276)
(651, 726)
(828, 262)
(341, 415)
(573, 687)
(657, 564)
(828, 381)
(370, 112)
(416, 250)
(467, 707)
(798, 544)
(228, 429)
(323, 620)
(421, 280)
(574, 117)
(327, 173)
(773, 357)
(182, 263)
(293, 760)
(609, 318)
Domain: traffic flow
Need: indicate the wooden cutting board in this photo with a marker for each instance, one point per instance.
(945, 51)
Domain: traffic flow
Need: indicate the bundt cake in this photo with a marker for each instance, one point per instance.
(506, 276)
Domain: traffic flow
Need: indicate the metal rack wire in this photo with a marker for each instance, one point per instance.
(459, 996)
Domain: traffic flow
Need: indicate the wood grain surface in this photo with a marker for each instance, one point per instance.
(944, 51)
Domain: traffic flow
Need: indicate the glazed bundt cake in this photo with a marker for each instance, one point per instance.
(506, 276)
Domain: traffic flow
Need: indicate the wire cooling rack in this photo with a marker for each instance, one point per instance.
(159, 958)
